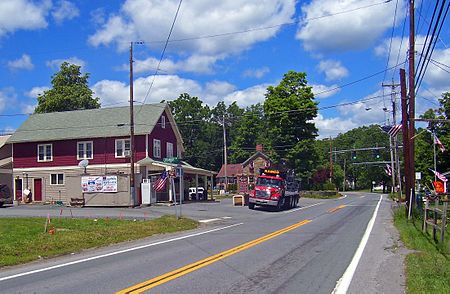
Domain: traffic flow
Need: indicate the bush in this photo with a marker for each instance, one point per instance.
(329, 187)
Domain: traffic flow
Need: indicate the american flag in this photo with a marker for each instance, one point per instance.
(439, 143)
(388, 170)
(392, 130)
(161, 182)
(439, 176)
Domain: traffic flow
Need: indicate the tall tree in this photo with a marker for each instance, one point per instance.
(251, 131)
(70, 91)
(289, 109)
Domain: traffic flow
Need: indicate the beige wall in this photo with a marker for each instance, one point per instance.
(72, 185)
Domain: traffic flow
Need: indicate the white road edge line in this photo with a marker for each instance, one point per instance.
(344, 282)
(214, 219)
(300, 208)
(115, 253)
(343, 197)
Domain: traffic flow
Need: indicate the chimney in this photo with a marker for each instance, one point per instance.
(259, 147)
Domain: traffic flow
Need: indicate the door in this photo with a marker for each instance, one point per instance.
(18, 184)
(37, 189)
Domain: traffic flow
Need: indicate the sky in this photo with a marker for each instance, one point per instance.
(229, 50)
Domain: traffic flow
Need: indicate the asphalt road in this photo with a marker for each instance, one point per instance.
(302, 250)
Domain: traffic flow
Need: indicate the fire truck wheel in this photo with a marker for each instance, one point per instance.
(251, 205)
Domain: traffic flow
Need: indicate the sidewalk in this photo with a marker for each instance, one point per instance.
(381, 268)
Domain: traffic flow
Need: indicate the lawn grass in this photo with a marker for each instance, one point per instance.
(428, 269)
(321, 196)
(23, 239)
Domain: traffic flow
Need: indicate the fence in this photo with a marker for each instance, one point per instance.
(431, 218)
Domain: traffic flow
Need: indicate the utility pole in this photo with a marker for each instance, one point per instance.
(225, 158)
(393, 141)
(331, 161)
(132, 180)
(405, 131)
(412, 102)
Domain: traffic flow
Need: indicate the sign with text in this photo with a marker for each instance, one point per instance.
(99, 184)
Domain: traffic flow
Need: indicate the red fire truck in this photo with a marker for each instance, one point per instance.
(273, 189)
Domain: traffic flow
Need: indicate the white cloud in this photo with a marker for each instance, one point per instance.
(332, 126)
(194, 63)
(22, 15)
(55, 64)
(333, 70)
(256, 73)
(23, 62)
(169, 87)
(355, 30)
(65, 10)
(436, 73)
(150, 20)
(322, 91)
(248, 96)
(35, 91)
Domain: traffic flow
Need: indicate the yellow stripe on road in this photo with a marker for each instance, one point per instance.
(331, 210)
(147, 285)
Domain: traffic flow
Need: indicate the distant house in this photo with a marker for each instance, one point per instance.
(49, 151)
(6, 182)
(244, 174)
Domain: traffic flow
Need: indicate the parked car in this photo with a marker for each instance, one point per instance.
(193, 193)
(5, 195)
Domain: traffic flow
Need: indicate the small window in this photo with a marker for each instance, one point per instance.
(123, 147)
(57, 179)
(45, 152)
(156, 148)
(84, 150)
(163, 122)
(169, 150)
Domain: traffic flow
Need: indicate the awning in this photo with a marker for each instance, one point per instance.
(152, 164)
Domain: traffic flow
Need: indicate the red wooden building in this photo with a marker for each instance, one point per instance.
(47, 150)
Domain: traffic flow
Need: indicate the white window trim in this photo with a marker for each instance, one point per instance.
(92, 150)
(167, 149)
(115, 147)
(154, 148)
(163, 122)
(45, 156)
(64, 179)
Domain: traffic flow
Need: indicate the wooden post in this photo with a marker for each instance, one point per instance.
(444, 220)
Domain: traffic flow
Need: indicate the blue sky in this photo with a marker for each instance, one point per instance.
(334, 42)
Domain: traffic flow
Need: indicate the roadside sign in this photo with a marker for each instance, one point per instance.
(418, 175)
(439, 187)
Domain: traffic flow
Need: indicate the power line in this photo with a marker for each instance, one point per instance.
(162, 53)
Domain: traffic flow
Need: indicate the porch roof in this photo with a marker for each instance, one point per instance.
(147, 161)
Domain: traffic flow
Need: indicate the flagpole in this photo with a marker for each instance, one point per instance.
(434, 153)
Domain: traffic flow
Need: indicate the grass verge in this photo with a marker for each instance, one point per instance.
(428, 269)
(23, 239)
(321, 196)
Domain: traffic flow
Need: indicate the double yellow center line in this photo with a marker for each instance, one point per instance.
(147, 285)
(331, 210)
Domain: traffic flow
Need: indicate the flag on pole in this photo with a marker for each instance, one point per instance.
(439, 143)
(388, 170)
(392, 130)
(161, 182)
(439, 176)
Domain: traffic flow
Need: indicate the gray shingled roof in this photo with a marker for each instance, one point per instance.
(92, 123)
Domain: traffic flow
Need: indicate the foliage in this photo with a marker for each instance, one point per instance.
(23, 239)
(70, 91)
(428, 268)
(289, 109)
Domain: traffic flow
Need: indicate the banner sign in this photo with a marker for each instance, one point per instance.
(99, 184)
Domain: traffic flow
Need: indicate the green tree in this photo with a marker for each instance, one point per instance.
(193, 120)
(251, 131)
(70, 91)
(289, 110)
